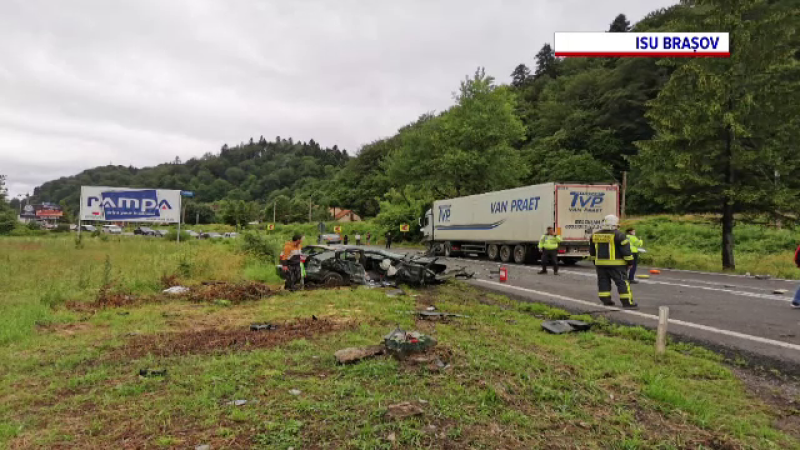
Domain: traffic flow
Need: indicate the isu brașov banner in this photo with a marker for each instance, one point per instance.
(115, 204)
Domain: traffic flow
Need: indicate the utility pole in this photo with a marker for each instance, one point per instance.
(274, 208)
(624, 188)
(309, 210)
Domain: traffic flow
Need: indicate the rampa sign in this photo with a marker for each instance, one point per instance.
(130, 205)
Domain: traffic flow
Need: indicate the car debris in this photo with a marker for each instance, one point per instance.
(202, 447)
(153, 372)
(263, 327)
(176, 290)
(395, 293)
(236, 403)
(402, 343)
(350, 265)
(779, 291)
(565, 326)
(295, 391)
(762, 277)
(436, 315)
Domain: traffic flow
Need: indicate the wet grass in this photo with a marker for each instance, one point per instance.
(73, 381)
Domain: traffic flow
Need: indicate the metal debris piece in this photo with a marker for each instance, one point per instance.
(295, 392)
(263, 327)
(152, 372)
(395, 293)
(237, 403)
(779, 291)
(202, 447)
(435, 315)
(401, 342)
(176, 290)
(565, 326)
(431, 308)
(763, 277)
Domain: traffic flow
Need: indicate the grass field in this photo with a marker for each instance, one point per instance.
(71, 365)
(694, 243)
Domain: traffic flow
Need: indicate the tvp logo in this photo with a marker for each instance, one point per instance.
(130, 204)
(587, 199)
(444, 213)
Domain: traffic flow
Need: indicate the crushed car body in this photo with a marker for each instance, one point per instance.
(339, 266)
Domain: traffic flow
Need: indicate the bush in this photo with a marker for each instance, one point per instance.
(261, 246)
(172, 235)
(61, 228)
(8, 221)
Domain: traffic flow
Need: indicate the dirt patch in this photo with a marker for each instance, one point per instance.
(233, 292)
(781, 394)
(209, 292)
(215, 341)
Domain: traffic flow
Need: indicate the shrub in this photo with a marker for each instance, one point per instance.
(261, 246)
(172, 235)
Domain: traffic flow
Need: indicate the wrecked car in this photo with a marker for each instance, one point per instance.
(338, 266)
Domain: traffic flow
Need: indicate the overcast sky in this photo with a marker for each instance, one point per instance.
(91, 82)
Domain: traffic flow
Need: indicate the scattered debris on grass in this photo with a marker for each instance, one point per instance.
(395, 293)
(202, 447)
(263, 327)
(236, 403)
(401, 343)
(206, 341)
(295, 391)
(430, 315)
(403, 410)
(355, 354)
(565, 326)
(153, 372)
(176, 290)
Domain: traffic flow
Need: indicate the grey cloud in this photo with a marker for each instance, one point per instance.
(138, 82)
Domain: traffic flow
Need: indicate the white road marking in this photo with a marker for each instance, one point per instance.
(651, 316)
(774, 297)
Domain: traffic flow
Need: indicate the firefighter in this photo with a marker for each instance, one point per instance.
(548, 247)
(291, 261)
(635, 243)
(611, 252)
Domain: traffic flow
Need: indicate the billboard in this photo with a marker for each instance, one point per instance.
(44, 211)
(115, 204)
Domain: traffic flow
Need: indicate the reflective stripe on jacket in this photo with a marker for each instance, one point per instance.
(610, 248)
(548, 242)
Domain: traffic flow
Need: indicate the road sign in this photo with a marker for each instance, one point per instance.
(271, 227)
(337, 229)
(189, 194)
(404, 228)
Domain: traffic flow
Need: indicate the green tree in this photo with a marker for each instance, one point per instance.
(726, 126)
(520, 75)
(546, 62)
(468, 149)
(620, 24)
(8, 218)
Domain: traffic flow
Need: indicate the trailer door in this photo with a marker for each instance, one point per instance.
(580, 209)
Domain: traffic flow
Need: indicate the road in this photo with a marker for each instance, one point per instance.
(736, 315)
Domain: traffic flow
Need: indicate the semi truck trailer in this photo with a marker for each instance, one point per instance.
(508, 224)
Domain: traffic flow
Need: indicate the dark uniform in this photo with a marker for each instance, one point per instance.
(611, 252)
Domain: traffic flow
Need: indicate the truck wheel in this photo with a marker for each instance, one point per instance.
(505, 253)
(519, 254)
(493, 252)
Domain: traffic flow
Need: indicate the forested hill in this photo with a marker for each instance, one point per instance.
(693, 135)
(249, 172)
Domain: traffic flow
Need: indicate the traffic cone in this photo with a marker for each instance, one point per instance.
(655, 271)
(503, 274)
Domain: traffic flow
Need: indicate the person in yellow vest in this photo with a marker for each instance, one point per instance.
(635, 243)
(548, 247)
(611, 252)
(291, 261)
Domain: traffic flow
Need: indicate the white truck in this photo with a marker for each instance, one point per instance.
(507, 225)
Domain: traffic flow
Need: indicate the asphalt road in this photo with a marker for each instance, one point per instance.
(737, 315)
